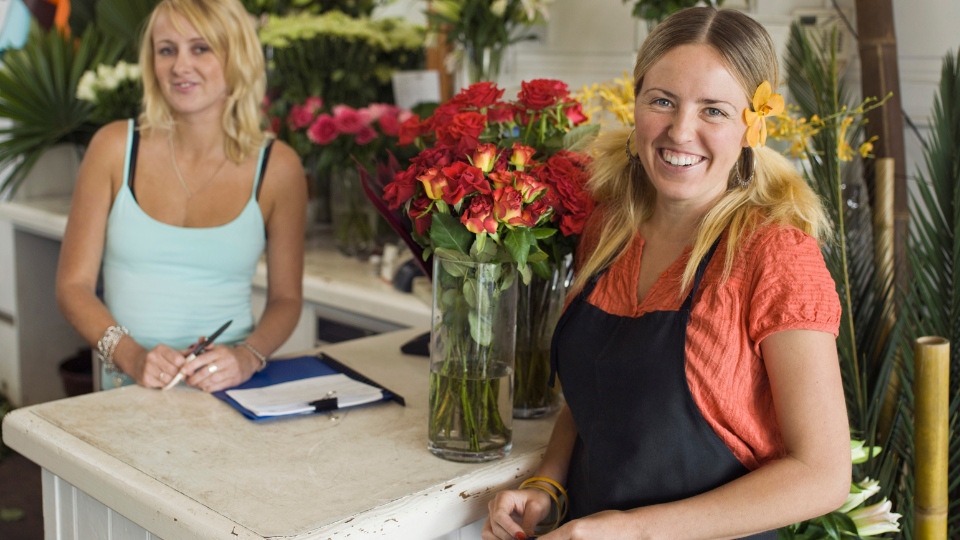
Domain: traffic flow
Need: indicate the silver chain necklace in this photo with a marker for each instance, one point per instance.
(176, 169)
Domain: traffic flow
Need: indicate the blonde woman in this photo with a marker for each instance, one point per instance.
(697, 358)
(178, 207)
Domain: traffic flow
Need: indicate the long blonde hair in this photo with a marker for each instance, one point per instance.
(227, 28)
(776, 195)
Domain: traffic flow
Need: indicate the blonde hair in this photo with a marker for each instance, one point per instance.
(777, 194)
(227, 28)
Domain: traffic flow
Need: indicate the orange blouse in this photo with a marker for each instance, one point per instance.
(778, 282)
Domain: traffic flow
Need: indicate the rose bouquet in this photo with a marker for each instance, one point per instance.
(494, 193)
(333, 142)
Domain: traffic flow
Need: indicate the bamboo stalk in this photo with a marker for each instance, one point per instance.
(931, 411)
(883, 239)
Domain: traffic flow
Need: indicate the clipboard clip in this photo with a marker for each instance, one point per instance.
(327, 403)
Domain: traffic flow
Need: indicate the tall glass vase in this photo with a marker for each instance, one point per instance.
(471, 359)
(539, 306)
(483, 63)
(353, 217)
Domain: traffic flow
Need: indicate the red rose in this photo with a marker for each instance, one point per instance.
(574, 112)
(501, 179)
(500, 113)
(313, 104)
(323, 130)
(479, 95)
(402, 189)
(540, 94)
(484, 157)
(463, 131)
(529, 186)
(389, 124)
(507, 204)
(572, 223)
(409, 130)
(521, 155)
(531, 214)
(578, 159)
(419, 213)
(437, 156)
(478, 217)
(463, 179)
(348, 119)
(366, 135)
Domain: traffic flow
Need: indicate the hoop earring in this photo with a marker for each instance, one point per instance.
(635, 164)
(743, 164)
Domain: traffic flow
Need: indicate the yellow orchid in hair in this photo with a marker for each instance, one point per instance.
(765, 103)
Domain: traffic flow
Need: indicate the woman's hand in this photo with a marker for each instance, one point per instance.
(529, 506)
(151, 369)
(609, 525)
(221, 367)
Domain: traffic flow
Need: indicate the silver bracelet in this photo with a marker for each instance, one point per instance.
(107, 344)
(261, 357)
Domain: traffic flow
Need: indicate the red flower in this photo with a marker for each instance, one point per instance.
(323, 130)
(300, 117)
(507, 204)
(529, 186)
(434, 157)
(501, 179)
(572, 223)
(540, 94)
(389, 124)
(484, 157)
(463, 131)
(274, 125)
(521, 155)
(530, 215)
(479, 95)
(402, 189)
(348, 119)
(366, 135)
(500, 113)
(478, 217)
(462, 179)
(410, 129)
(420, 215)
(574, 112)
(433, 183)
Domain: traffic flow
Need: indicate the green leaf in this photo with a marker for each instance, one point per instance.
(536, 257)
(526, 274)
(470, 291)
(453, 268)
(446, 231)
(579, 137)
(541, 233)
(453, 255)
(448, 298)
(518, 242)
(11, 514)
(481, 328)
(542, 269)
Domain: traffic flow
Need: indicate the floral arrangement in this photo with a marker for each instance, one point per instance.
(115, 90)
(609, 100)
(655, 11)
(497, 189)
(853, 519)
(483, 28)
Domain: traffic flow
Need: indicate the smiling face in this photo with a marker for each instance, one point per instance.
(189, 74)
(689, 125)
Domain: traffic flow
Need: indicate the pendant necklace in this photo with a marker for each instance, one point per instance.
(176, 169)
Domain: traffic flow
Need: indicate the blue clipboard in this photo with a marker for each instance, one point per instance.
(294, 369)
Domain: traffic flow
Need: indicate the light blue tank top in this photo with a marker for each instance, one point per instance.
(171, 285)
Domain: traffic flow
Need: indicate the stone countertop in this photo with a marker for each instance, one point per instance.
(329, 278)
(184, 465)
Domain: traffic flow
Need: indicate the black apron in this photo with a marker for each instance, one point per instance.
(642, 439)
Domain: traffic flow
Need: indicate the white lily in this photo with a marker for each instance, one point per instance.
(876, 519)
(860, 492)
(86, 89)
(860, 453)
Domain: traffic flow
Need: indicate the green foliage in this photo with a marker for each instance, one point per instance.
(124, 20)
(869, 338)
(354, 8)
(933, 305)
(658, 10)
(38, 92)
(476, 25)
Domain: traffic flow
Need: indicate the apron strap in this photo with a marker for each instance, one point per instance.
(701, 269)
(581, 297)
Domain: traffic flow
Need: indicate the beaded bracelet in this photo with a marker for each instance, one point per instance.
(261, 357)
(107, 344)
(537, 482)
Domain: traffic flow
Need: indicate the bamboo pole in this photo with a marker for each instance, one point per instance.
(931, 389)
(883, 241)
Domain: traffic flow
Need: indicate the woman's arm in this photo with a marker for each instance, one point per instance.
(98, 181)
(811, 480)
(515, 513)
(284, 203)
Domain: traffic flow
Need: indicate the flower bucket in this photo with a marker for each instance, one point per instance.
(538, 309)
(353, 218)
(471, 359)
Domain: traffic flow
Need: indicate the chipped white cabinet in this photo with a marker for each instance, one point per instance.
(182, 465)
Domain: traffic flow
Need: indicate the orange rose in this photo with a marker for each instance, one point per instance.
(433, 183)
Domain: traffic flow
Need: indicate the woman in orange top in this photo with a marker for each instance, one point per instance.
(698, 361)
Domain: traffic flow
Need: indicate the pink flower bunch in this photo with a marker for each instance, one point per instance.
(323, 128)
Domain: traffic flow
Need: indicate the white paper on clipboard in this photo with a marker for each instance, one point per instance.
(411, 88)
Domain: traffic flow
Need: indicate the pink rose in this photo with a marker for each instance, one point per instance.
(574, 112)
(300, 117)
(366, 134)
(390, 125)
(323, 130)
(348, 120)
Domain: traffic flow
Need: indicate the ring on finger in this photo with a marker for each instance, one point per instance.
(212, 368)
(163, 375)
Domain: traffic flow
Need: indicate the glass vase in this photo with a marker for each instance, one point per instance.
(539, 306)
(471, 359)
(483, 63)
(353, 217)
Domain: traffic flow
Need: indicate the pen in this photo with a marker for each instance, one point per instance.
(197, 350)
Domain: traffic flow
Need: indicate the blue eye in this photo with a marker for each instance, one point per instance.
(663, 102)
(200, 49)
(715, 112)
(164, 51)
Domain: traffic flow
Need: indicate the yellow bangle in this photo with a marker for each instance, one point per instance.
(562, 501)
(547, 526)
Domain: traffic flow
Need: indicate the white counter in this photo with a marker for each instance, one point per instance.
(184, 465)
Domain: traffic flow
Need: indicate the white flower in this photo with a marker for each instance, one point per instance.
(534, 6)
(133, 72)
(876, 519)
(860, 492)
(86, 88)
(860, 453)
(498, 7)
